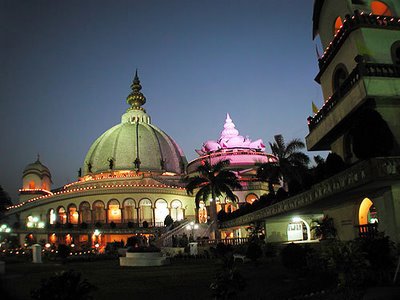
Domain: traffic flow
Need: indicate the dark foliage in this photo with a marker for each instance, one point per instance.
(133, 241)
(131, 224)
(66, 285)
(145, 224)
(113, 225)
(98, 225)
(83, 225)
(63, 252)
(294, 256)
(371, 136)
(254, 251)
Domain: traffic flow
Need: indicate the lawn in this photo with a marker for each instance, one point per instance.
(188, 279)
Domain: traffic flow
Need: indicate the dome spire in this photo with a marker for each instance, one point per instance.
(136, 99)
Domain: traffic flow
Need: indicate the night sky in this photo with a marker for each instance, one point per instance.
(66, 69)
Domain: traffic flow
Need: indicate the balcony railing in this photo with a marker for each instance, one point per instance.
(350, 24)
(361, 70)
(368, 230)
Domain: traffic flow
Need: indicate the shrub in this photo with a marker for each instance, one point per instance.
(145, 224)
(113, 225)
(64, 285)
(254, 251)
(63, 252)
(227, 283)
(133, 241)
(98, 225)
(294, 256)
(131, 224)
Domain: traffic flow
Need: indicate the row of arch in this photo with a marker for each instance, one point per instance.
(113, 211)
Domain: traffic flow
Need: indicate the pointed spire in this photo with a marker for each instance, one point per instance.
(136, 99)
(38, 158)
(229, 128)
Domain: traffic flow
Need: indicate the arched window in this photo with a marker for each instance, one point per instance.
(146, 212)
(32, 185)
(395, 51)
(52, 217)
(339, 76)
(250, 198)
(73, 216)
(129, 210)
(367, 213)
(114, 211)
(337, 25)
(61, 215)
(176, 210)
(99, 213)
(380, 8)
(85, 212)
(161, 211)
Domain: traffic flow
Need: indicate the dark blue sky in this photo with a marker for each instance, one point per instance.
(66, 68)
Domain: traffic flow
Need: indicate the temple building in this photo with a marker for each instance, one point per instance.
(131, 179)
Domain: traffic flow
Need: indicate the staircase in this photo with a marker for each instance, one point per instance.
(165, 240)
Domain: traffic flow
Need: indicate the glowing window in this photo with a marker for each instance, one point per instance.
(380, 8)
(176, 210)
(86, 214)
(161, 211)
(337, 25)
(52, 217)
(250, 198)
(129, 210)
(73, 215)
(202, 212)
(62, 215)
(114, 212)
(31, 185)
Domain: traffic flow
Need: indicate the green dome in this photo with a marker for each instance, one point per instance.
(135, 144)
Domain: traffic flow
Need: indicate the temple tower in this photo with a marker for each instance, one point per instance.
(360, 79)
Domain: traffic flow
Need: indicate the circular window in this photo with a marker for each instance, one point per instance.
(380, 8)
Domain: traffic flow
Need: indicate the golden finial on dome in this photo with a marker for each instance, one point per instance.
(136, 99)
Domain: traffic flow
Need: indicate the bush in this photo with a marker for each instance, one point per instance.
(131, 224)
(133, 241)
(113, 225)
(64, 285)
(254, 251)
(294, 257)
(145, 224)
(63, 252)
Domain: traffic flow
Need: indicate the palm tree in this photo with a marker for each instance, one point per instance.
(213, 180)
(290, 165)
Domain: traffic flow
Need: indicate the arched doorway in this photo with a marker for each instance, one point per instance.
(114, 211)
(129, 211)
(99, 213)
(85, 212)
(161, 211)
(145, 211)
(61, 215)
(176, 210)
(73, 215)
(298, 230)
(367, 218)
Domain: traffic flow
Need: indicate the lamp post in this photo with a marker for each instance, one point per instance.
(192, 227)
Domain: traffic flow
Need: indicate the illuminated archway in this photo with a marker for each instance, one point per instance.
(114, 211)
(298, 230)
(367, 213)
(161, 211)
(145, 211)
(176, 210)
(73, 215)
(85, 212)
(380, 8)
(99, 213)
(129, 210)
(61, 215)
(250, 198)
(52, 217)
